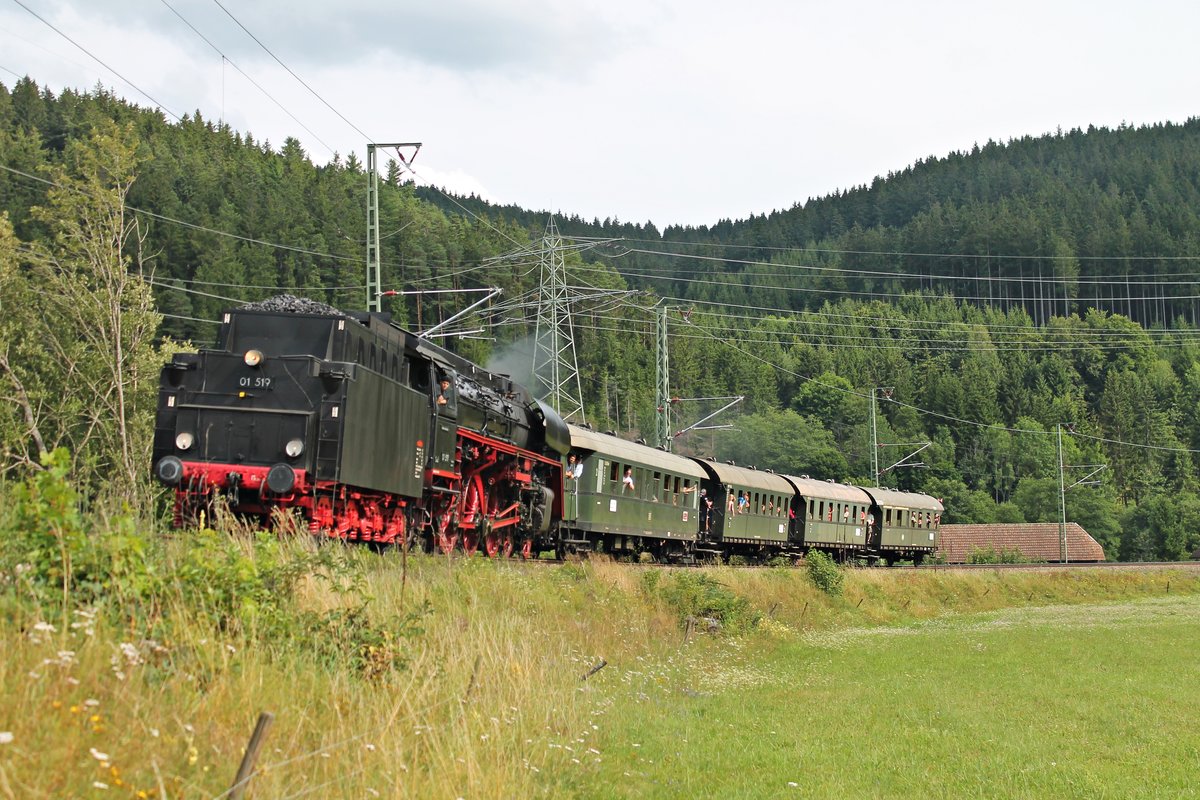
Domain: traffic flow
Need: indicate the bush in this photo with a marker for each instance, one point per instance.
(48, 552)
(989, 555)
(699, 596)
(825, 574)
(245, 584)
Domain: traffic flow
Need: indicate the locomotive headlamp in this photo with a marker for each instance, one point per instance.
(253, 358)
(184, 440)
(294, 448)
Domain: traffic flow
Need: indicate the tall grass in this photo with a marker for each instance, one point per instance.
(136, 662)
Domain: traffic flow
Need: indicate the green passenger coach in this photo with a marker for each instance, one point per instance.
(628, 498)
(833, 517)
(907, 523)
(750, 509)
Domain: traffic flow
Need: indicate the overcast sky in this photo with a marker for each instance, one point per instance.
(662, 110)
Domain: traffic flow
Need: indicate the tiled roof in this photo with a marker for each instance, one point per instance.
(1037, 541)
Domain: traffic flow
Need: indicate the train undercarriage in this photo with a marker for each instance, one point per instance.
(494, 497)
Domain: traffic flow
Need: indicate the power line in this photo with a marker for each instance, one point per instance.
(901, 253)
(948, 417)
(98, 60)
(1090, 280)
(844, 292)
(247, 77)
(290, 71)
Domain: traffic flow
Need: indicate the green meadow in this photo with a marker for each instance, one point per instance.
(134, 665)
(1052, 701)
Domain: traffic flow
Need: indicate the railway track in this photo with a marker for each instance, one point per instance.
(1191, 566)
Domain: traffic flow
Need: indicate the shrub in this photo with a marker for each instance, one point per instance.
(241, 583)
(990, 555)
(825, 574)
(694, 594)
(49, 553)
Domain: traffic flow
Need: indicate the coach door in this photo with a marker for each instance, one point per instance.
(874, 528)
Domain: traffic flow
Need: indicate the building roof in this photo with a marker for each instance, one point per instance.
(1037, 541)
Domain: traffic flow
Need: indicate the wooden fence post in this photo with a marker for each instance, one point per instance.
(246, 770)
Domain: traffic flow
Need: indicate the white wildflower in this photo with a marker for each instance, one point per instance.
(96, 754)
(6, 737)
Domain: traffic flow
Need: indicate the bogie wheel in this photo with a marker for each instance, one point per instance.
(470, 543)
(527, 549)
(446, 542)
(507, 547)
(491, 544)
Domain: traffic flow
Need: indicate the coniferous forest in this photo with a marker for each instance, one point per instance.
(985, 300)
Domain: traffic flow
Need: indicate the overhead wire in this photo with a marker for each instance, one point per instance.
(1016, 333)
(924, 411)
(907, 345)
(247, 239)
(669, 272)
(901, 253)
(855, 293)
(290, 71)
(98, 60)
(247, 77)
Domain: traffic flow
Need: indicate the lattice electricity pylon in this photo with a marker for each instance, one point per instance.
(555, 371)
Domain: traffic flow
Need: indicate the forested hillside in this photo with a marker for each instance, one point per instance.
(994, 294)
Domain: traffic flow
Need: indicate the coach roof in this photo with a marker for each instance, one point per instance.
(895, 499)
(749, 478)
(632, 453)
(828, 490)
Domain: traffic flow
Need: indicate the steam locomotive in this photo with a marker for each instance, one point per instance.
(369, 433)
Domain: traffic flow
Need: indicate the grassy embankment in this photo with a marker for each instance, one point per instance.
(465, 679)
